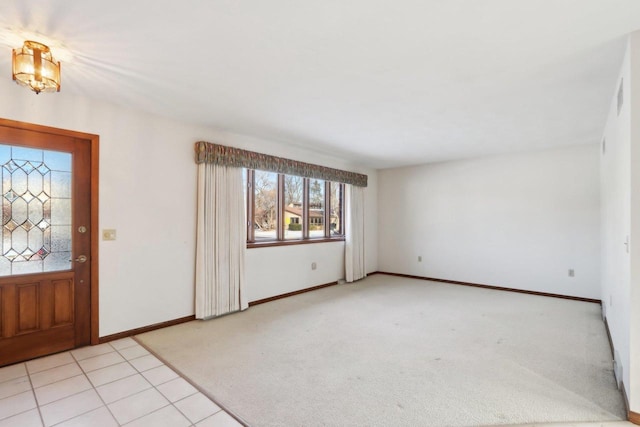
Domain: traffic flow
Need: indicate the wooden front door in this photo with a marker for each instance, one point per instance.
(45, 246)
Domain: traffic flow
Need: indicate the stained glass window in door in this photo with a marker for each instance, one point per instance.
(36, 210)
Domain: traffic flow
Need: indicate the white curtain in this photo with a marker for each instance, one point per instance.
(220, 241)
(354, 238)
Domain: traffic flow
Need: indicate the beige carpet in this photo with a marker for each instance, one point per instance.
(391, 351)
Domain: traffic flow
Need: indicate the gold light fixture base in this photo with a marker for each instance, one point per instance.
(34, 67)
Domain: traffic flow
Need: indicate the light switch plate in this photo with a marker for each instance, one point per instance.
(109, 234)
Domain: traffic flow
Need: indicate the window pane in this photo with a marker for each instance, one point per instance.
(245, 193)
(35, 221)
(266, 200)
(336, 209)
(293, 207)
(316, 208)
(245, 173)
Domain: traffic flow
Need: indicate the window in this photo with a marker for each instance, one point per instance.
(293, 203)
(292, 209)
(335, 213)
(265, 215)
(316, 208)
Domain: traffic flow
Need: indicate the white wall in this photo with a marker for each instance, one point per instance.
(616, 190)
(329, 258)
(634, 321)
(519, 221)
(147, 193)
(620, 171)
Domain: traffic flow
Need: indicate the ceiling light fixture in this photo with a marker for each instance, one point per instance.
(34, 67)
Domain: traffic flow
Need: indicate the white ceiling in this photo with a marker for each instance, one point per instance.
(384, 83)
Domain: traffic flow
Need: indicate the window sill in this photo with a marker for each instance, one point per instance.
(271, 243)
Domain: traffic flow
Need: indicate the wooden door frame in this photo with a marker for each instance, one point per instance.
(95, 235)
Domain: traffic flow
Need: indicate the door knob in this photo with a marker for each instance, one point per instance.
(81, 258)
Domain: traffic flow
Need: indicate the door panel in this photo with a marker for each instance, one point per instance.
(28, 302)
(62, 302)
(45, 243)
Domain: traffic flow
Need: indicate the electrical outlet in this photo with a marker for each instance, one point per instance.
(314, 265)
(571, 272)
(420, 258)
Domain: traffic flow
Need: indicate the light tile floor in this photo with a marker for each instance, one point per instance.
(114, 384)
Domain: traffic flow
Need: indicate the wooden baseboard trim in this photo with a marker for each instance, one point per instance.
(144, 329)
(160, 325)
(290, 294)
(634, 417)
(625, 399)
(497, 288)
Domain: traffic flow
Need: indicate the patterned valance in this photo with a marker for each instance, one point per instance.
(207, 152)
